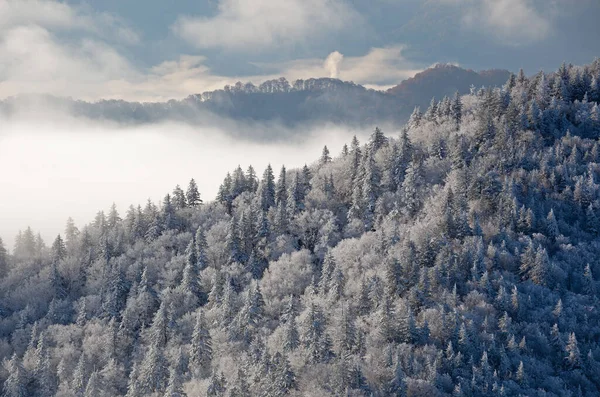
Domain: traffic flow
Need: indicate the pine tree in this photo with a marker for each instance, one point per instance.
(552, 226)
(397, 386)
(540, 274)
(216, 386)
(153, 370)
(370, 189)
(456, 110)
(282, 378)
(281, 195)
(79, 377)
(94, 385)
(192, 195)
(59, 250)
(158, 333)
(15, 384)
(175, 385)
(190, 282)
(415, 118)
(201, 246)
(233, 243)
(179, 201)
(113, 378)
(325, 156)
(266, 189)
(201, 348)
(295, 200)
(291, 336)
(573, 358)
(134, 388)
(410, 188)
(377, 140)
(589, 285)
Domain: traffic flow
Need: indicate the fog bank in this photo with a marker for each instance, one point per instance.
(64, 167)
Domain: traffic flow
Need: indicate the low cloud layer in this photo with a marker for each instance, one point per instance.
(62, 167)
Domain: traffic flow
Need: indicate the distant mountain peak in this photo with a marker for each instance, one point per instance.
(445, 79)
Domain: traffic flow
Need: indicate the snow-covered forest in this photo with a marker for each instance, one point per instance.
(457, 257)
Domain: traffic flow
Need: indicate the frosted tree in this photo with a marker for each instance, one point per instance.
(573, 358)
(94, 385)
(589, 285)
(175, 385)
(44, 376)
(415, 118)
(190, 282)
(59, 250)
(266, 189)
(192, 195)
(295, 199)
(233, 243)
(370, 190)
(201, 354)
(282, 378)
(216, 386)
(15, 384)
(291, 336)
(552, 226)
(377, 140)
(179, 199)
(540, 273)
(410, 188)
(456, 110)
(325, 156)
(281, 194)
(153, 370)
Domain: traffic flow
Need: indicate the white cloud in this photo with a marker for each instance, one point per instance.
(43, 13)
(514, 22)
(248, 25)
(54, 15)
(35, 62)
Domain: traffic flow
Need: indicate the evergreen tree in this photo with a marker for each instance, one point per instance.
(175, 385)
(266, 189)
(201, 348)
(15, 384)
(192, 195)
(573, 358)
(410, 188)
(377, 140)
(540, 274)
(59, 250)
(281, 194)
(552, 226)
(291, 336)
(216, 386)
(153, 370)
(190, 282)
(233, 243)
(325, 157)
(179, 201)
(94, 385)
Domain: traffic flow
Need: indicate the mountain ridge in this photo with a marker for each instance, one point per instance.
(301, 101)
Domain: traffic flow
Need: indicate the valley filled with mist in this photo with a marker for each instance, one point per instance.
(72, 167)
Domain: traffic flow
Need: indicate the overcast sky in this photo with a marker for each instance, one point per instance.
(156, 49)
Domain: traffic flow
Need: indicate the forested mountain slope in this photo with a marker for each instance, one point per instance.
(460, 258)
(288, 103)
